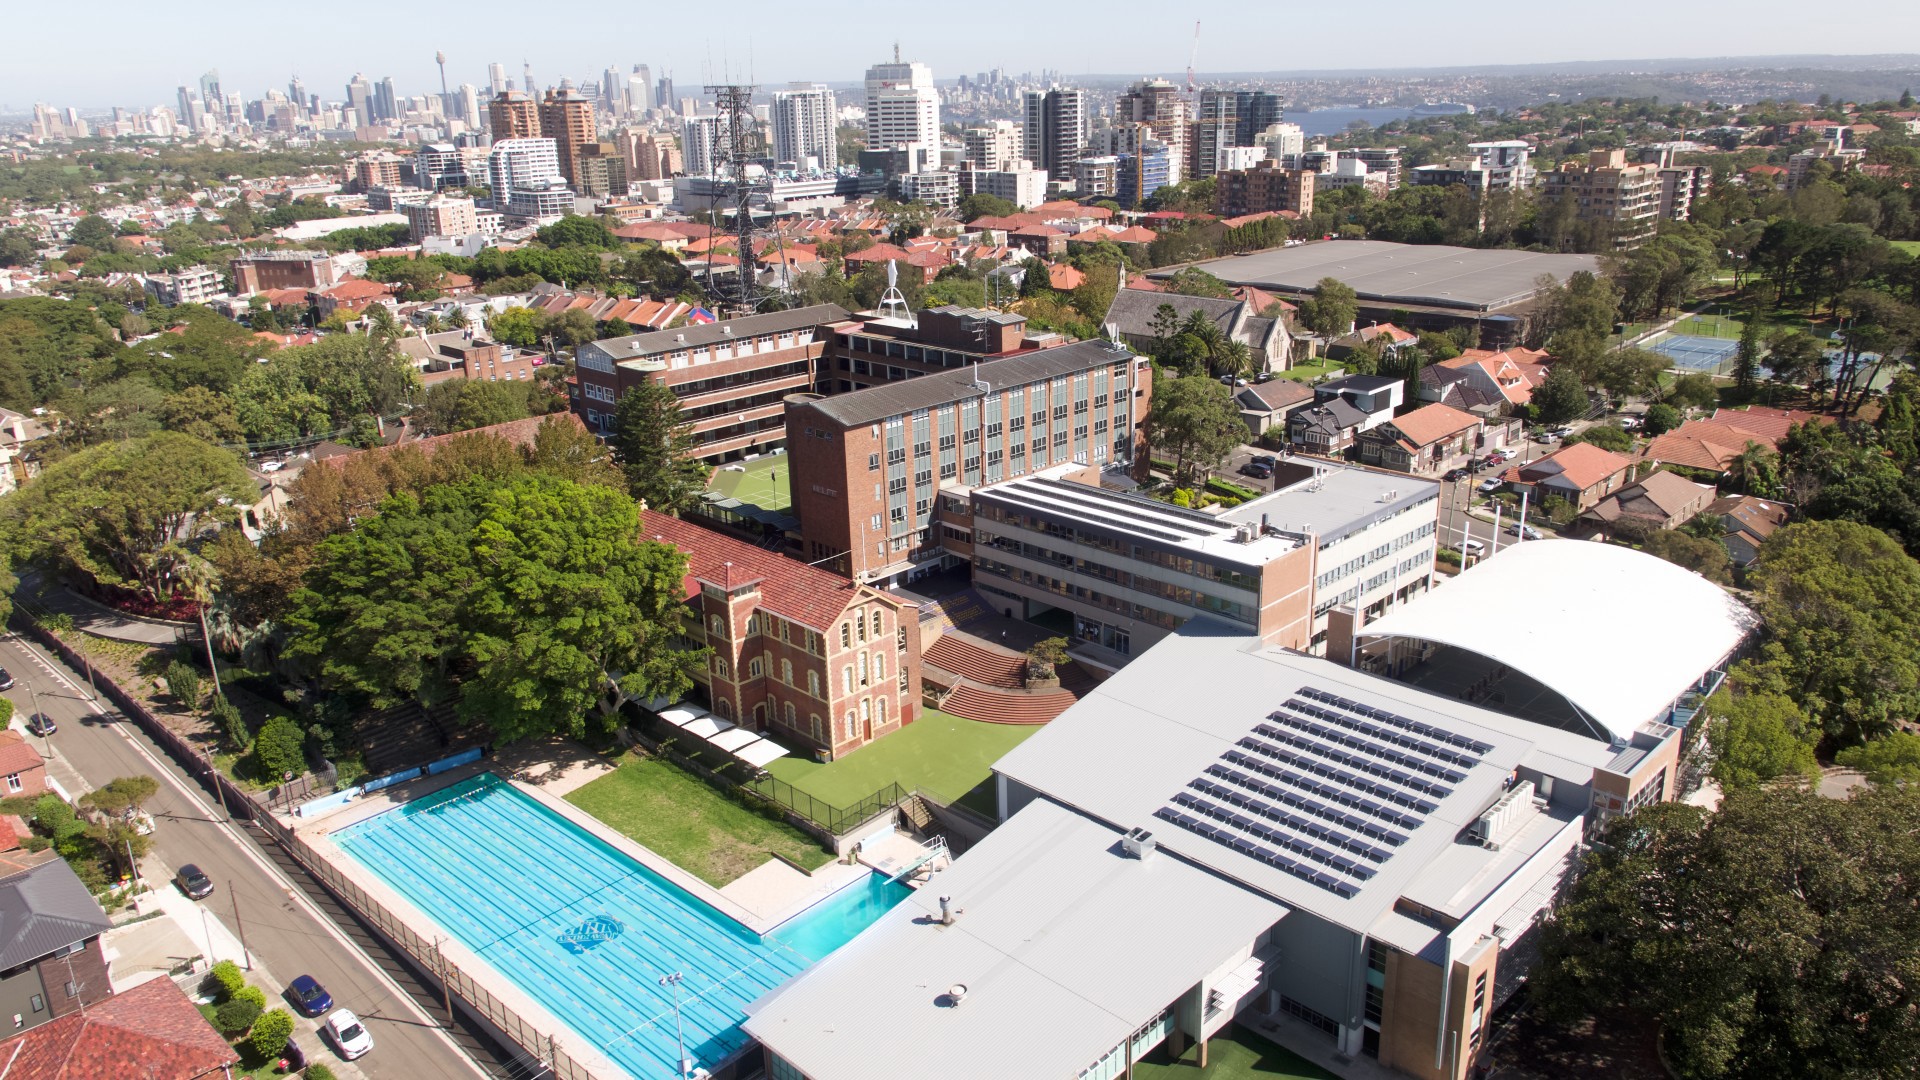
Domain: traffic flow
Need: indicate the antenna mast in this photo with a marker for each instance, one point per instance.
(736, 150)
(1194, 55)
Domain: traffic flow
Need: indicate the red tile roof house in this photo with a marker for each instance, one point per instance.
(1711, 443)
(1582, 474)
(1425, 442)
(807, 657)
(151, 1032)
(22, 771)
(1664, 500)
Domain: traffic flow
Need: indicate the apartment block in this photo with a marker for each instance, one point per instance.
(1024, 187)
(811, 657)
(1382, 161)
(376, 170)
(732, 376)
(1608, 189)
(1097, 177)
(513, 115)
(264, 271)
(437, 166)
(566, 117)
(193, 285)
(880, 476)
(1268, 186)
(867, 351)
(1507, 163)
(602, 170)
(649, 156)
(994, 146)
(442, 215)
(1056, 129)
(804, 127)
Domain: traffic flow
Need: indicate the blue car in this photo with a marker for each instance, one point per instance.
(313, 997)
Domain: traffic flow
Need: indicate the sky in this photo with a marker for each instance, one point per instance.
(122, 52)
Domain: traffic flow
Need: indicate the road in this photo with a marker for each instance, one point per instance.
(278, 911)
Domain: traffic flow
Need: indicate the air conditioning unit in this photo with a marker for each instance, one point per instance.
(1493, 825)
(1138, 843)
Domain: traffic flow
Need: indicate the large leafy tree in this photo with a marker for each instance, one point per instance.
(1332, 309)
(318, 388)
(535, 600)
(1561, 397)
(654, 444)
(1195, 423)
(118, 511)
(1777, 938)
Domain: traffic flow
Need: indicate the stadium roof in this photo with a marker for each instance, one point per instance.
(1617, 632)
(1473, 278)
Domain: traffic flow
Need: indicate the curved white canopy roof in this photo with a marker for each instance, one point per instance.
(1617, 632)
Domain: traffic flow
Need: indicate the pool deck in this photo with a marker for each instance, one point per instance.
(760, 900)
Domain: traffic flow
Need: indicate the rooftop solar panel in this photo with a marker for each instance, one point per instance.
(1406, 723)
(1306, 761)
(1383, 734)
(1401, 758)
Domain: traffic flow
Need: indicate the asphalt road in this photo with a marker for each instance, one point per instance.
(279, 916)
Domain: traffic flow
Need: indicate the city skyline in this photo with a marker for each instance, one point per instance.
(145, 69)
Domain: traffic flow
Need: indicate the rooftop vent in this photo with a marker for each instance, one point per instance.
(1138, 843)
(956, 994)
(1497, 822)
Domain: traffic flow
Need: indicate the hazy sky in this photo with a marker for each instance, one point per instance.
(119, 52)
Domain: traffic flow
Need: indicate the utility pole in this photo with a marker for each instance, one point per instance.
(42, 717)
(240, 928)
(134, 868)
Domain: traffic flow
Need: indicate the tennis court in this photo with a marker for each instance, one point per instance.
(761, 482)
(1692, 353)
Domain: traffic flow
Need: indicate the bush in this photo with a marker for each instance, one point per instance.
(224, 980)
(319, 1072)
(236, 1016)
(278, 749)
(1660, 419)
(270, 1033)
(1227, 489)
(252, 995)
(183, 682)
(226, 715)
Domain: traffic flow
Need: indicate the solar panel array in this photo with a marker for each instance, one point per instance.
(1326, 789)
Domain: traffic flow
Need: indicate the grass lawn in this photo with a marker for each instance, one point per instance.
(1308, 372)
(1232, 1055)
(681, 818)
(1911, 247)
(764, 483)
(942, 753)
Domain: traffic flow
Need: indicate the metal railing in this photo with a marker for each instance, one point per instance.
(835, 819)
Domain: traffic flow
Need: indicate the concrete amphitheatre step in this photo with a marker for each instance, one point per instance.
(995, 706)
(988, 667)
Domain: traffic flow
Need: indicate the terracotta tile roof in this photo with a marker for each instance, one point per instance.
(1581, 465)
(16, 754)
(1278, 393)
(1757, 518)
(152, 1031)
(880, 253)
(1394, 333)
(1248, 219)
(1064, 277)
(1038, 230)
(1428, 424)
(1713, 442)
(357, 289)
(1260, 299)
(1135, 235)
(790, 589)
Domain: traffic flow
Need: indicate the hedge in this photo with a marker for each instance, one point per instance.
(1230, 490)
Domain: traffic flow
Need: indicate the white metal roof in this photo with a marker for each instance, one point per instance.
(1617, 632)
(759, 753)
(1065, 946)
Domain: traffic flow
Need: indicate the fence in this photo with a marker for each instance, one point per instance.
(835, 819)
(241, 804)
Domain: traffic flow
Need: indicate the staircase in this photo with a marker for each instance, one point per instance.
(980, 664)
(408, 735)
(993, 705)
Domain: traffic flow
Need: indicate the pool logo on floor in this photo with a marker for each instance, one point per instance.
(591, 933)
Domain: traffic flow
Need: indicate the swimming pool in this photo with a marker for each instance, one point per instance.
(586, 930)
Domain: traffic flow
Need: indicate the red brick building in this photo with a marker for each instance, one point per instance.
(807, 656)
(22, 771)
(152, 1031)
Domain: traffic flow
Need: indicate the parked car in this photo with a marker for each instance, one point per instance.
(293, 1058)
(1547, 436)
(1268, 460)
(42, 725)
(1498, 457)
(1491, 484)
(194, 882)
(6, 679)
(272, 466)
(1256, 470)
(312, 998)
(1630, 423)
(1473, 547)
(1458, 474)
(1264, 376)
(1525, 532)
(348, 1034)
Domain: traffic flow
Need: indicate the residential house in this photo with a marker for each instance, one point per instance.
(1711, 443)
(151, 1031)
(812, 657)
(1396, 340)
(1134, 317)
(467, 354)
(51, 963)
(353, 296)
(1378, 396)
(1043, 240)
(1505, 379)
(1664, 500)
(1747, 522)
(1582, 474)
(1328, 427)
(1271, 404)
(1064, 278)
(1427, 441)
(23, 772)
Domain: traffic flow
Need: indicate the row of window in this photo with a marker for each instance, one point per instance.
(1184, 564)
(1137, 612)
(1178, 594)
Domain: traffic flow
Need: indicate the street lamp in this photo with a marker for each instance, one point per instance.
(673, 981)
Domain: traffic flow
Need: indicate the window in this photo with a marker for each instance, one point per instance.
(947, 470)
(853, 730)
(813, 725)
(873, 462)
(881, 709)
(879, 666)
(720, 666)
(786, 672)
(846, 635)
(846, 679)
(877, 631)
(39, 1003)
(13, 782)
(860, 624)
(718, 626)
(813, 683)
(755, 668)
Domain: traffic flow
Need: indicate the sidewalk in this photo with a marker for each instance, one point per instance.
(65, 781)
(97, 618)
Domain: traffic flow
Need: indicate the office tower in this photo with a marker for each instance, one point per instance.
(701, 140)
(387, 100)
(1056, 129)
(613, 91)
(210, 94)
(663, 93)
(526, 79)
(467, 104)
(903, 110)
(640, 89)
(803, 125)
(439, 165)
(513, 115)
(994, 146)
(1152, 110)
(496, 79)
(566, 117)
(189, 109)
(649, 156)
(297, 93)
(1254, 112)
(360, 100)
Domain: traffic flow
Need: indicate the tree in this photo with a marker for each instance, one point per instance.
(1746, 362)
(184, 683)
(1694, 391)
(111, 511)
(1604, 436)
(271, 1032)
(1561, 397)
(574, 230)
(1660, 419)
(1708, 558)
(563, 447)
(1193, 281)
(280, 749)
(1759, 737)
(1768, 940)
(1841, 604)
(318, 389)
(122, 796)
(92, 231)
(517, 326)
(236, 1015)
(1893, 758)
(654, 444)
(1332, 309)
(1195, 423)
(1793, 356)
(974, 207)
(203, 414)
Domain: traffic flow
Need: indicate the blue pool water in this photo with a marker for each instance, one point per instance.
(587, 931)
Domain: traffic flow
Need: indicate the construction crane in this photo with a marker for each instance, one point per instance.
(1194, 55)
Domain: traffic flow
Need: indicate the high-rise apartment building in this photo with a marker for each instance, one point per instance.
(360, 100)
(1097, 177)
(702, 142)
(526, 180)
(439, 165)
(1152, 110)
(1055, 131)
(496, 79)
(1608, 189)
(994, 145)
(903, 110)
(566, 117)
(649, 156)
(804, 118)
(603, 170)
(442, 215)
(1382, 161)
(1505, 163)
(513, 115)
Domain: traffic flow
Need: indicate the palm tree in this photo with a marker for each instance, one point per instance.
(1751, 471)
(1231, 358)
(197, 578)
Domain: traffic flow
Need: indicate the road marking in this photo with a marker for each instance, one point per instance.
(247, 848)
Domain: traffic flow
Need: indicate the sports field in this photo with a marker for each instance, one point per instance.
(1694, 353)
(761, 482)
